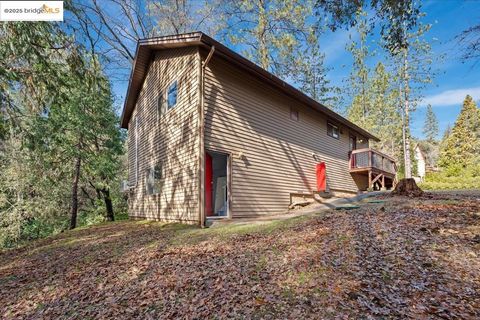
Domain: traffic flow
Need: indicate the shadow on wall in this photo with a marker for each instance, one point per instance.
(212, 142)
(169, 139)
(361, 181)
(245, 121)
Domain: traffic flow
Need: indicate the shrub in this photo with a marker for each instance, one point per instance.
(454, 177)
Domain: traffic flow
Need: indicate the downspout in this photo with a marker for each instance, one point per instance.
(201, 132)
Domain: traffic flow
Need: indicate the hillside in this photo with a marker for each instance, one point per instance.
(401, 258)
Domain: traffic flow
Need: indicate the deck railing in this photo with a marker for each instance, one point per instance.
(371, 159)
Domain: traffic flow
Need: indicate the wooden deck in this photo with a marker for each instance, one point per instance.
(379, 167)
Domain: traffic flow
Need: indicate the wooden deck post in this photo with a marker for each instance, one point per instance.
(370, 187)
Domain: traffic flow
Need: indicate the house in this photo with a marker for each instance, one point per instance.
(212, 135)
(421, 161)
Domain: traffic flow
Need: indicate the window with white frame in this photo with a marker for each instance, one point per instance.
(172, 93)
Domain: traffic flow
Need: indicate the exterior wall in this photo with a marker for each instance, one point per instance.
(421, 164)
(246, 116)
(171, 139)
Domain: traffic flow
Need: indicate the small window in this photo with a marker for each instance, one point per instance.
(160, 105)
(172, 95)
(154, 179)
(333, 131)
(294, 114)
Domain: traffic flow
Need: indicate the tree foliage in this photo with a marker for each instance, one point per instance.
(60, 147)
(309, 72)
(359, 83)
(57, 109)
(394, 18)
(271, 31)
(461, 147)
(469, 40)
(374, 98)
(430, 128)
(412, 65)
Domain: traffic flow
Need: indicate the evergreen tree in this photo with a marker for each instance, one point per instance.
(383, 114)
(430, 128)
(374, 99)
(358, 81)
(61, 131)
(412, 62)
(272, 32)
(462, 146)
(81, 129)
(446, 134)
(310, 74)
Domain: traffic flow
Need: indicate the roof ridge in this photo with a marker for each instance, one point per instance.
(200, 38)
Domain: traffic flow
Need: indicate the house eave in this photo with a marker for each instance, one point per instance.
(145, 47)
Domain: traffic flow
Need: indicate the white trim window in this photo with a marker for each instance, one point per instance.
(172, 95)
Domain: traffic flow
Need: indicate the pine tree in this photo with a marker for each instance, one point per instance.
(358, 81)
(271, 32)
(412, 62)
(374, 99)
(310, 74)
(430, 128)
(61, 131)
(462, 146)
(383, 114)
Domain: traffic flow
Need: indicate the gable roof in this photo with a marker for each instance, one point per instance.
(143, 55)
(420, 149)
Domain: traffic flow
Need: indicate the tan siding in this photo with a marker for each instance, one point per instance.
(131, 154)
(248, 116)
(171, 139)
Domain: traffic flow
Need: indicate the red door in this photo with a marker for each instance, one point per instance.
(208, 185)
(321, 177)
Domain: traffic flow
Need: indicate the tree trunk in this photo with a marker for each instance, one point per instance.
(408, 162)
(261, 34)
(108, 204)
(407, 187)
(74, 205)
(406, 120)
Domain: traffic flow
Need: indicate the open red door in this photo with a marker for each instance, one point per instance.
(208, 185)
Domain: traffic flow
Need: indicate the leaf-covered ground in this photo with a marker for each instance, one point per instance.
(400, 259)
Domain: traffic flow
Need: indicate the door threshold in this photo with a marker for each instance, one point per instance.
(217, 217)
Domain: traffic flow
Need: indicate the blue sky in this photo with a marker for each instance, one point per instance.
(454, 80)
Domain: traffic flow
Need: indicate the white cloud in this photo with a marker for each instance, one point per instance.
(451, 97)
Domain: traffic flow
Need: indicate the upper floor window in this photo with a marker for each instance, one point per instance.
(172, 95)
(294, 114)
(333, 130)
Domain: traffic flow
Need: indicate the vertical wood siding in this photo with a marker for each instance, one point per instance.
(171, 139)
(243, 114)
